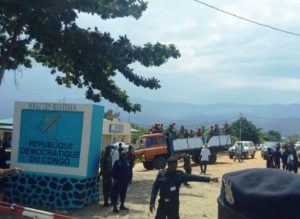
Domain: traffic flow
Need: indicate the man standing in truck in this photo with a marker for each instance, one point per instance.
(170, 136)
(168, 183)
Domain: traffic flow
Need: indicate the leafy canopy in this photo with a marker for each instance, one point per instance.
(46, 32)
(248, 130)
(273, 135)
(110, 115)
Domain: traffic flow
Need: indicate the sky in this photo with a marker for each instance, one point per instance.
(223, 59)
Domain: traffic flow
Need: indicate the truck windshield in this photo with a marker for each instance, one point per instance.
(144, 142)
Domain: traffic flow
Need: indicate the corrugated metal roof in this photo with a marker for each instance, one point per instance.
(9, 127)
(9, 121)
(135, 130)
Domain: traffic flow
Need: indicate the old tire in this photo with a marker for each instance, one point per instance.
(148, 165)
(253, 155)
(231, 156)
(159, 163)
(212, 159)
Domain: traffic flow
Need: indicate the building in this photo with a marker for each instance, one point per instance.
(115, 131)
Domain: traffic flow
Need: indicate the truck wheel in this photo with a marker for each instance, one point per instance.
(246, 155)
(159, 163)
(231, 156)
(212, 158)
(148, 165)
(253, 155)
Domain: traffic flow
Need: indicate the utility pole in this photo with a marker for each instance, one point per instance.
(241, 116)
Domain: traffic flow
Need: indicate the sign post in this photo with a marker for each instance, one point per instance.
(58, 147)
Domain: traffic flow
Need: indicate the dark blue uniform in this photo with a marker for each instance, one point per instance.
(168, 184)
(121, 174)
(106, 171)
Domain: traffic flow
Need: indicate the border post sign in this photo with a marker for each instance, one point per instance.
(58, 147)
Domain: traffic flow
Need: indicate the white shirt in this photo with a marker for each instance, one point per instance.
(114, 156)
(205, 153)
(290, 159)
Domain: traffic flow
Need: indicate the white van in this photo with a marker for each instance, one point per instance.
(249, 149)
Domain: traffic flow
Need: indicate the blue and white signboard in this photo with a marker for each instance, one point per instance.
(57, 138)
(58, 147)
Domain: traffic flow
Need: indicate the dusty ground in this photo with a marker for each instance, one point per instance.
(199, 201)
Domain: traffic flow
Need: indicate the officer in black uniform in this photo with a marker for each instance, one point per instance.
(106, 172)
(121, 174)
(187, 166)
(168, 182)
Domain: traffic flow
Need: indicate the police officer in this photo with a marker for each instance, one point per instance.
(168, 182)
(121, 174)
(106, 172)
(187, 166)
(269, 158)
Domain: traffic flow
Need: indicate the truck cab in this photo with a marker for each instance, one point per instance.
(151, 149)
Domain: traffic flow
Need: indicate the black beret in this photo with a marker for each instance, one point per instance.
(172, 160)
(260, 194)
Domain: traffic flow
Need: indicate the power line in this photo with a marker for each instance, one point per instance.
(248, 20)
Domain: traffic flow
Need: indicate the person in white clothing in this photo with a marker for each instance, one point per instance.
(114, 155)
(205, 153)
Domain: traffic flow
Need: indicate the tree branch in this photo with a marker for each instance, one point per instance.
(10, 50)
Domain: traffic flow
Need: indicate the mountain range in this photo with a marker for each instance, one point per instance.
(282, 118)
(278, 117)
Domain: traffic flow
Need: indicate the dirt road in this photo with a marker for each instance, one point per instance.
(199, 201)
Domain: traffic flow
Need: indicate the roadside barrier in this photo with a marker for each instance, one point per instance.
(18, 210)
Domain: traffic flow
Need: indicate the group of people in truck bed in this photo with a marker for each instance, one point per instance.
(213, 130)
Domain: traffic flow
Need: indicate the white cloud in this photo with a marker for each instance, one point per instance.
(223, 58)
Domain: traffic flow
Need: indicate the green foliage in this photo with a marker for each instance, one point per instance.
(135, 136)
(234, 139)
(110, 115)
(46, 31)
(249, 132)
(272, 135)
(292, 138)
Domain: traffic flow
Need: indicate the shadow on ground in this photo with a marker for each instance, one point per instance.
(139, 194)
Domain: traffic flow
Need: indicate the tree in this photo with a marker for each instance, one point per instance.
(46, 31)
(135, 136)
(292, 138)
(249, 132)
(272, 135)
(110, 114)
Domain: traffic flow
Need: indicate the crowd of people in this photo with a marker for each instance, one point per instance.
(4, 157)
(284, 156)
(5, 142)
(116, 170)
(213, 130)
